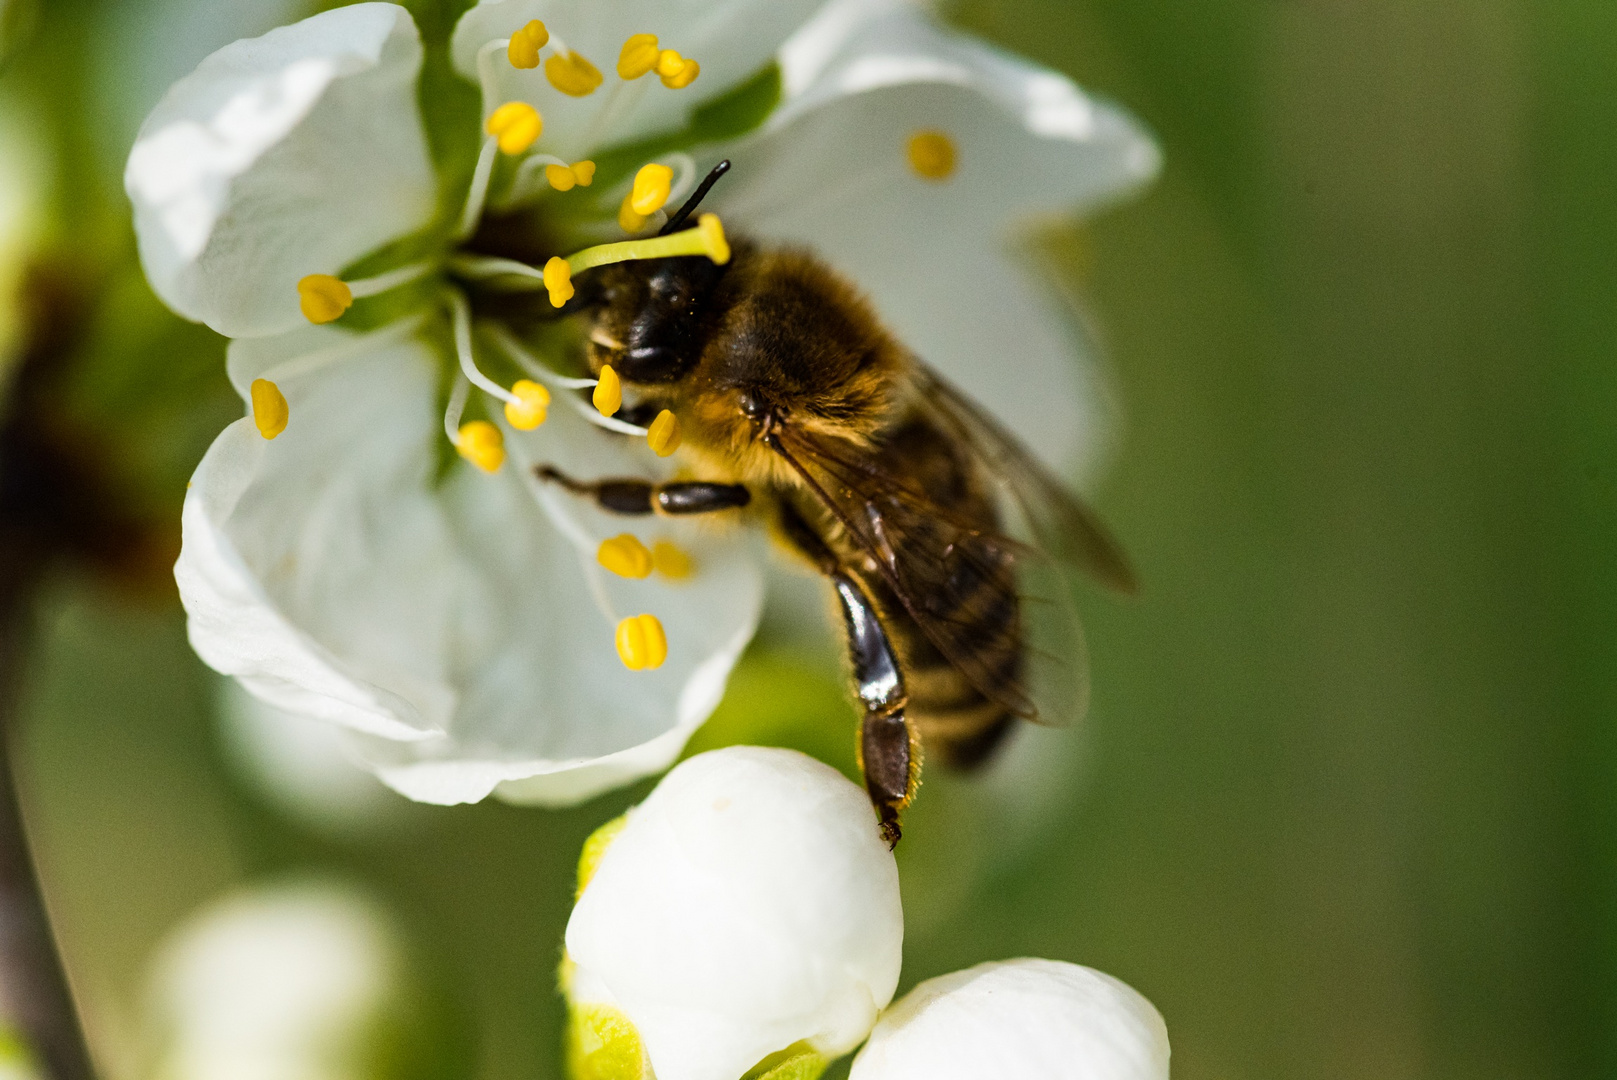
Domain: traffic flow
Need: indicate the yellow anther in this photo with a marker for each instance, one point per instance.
(638, 57)
(651, 186)
(675, 71)
(583, 172)
(663, 435)
(671, 561)
(932, 155)
(531, 406)
(561, 177)
(559, 280)
(711, 231)
(628, 220)
(526, 43)
(642, 645)
(517, 125)
(625, 556)
(481, 443)
(572, 74)
(608, 396)
(269, 408)
(324, 298)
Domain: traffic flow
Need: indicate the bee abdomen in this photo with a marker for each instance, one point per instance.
(960, 725)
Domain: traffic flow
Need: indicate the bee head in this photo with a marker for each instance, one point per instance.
(652, 320)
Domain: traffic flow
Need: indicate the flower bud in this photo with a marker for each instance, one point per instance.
(281, 983)
(1038, 1018)
(746, 910)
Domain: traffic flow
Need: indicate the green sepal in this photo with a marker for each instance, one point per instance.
(595, 847)
(603, 1045)
(799, 1061)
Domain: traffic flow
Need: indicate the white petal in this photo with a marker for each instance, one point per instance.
(453, 624)
(731, 39)
(1040, 1018)
(278, 983)
(938, 258)
(746, 905)
(301, 765)
(281, 156)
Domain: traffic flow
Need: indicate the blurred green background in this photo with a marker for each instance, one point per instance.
(1346, 804)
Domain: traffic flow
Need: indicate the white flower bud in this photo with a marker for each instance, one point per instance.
(1016, 1018)
(294, 982)
(747, 907)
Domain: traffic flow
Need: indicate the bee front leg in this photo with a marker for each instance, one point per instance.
(632, 496)
(889, 751)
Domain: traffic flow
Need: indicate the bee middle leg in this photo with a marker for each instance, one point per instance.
(889, 751)
(633, 496)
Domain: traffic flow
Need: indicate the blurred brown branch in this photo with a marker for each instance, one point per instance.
(55, 506)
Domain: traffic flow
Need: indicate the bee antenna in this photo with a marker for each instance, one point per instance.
(696, 198)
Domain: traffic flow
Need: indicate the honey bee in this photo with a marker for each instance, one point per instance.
(941, 536)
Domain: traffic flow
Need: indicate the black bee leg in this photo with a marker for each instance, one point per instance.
(889, 752)
(630, 496)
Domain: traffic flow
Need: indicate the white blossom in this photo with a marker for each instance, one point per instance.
(745, 908)
(1018, 1018)
(456, 626)
(289, 982)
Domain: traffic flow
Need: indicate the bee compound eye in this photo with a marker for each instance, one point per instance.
(752, 407)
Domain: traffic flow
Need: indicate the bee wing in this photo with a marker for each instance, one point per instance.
(959, 582)
(1055, 520)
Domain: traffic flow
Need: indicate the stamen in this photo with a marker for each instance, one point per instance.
(675, 70)
(638, 57)
(706, 239)
(525, 44)
(663, 434)
(625, 556)
(583, 172)
(932, 155)
(517, 125)
(572, 74)
(478, 192)
(357, 345)
(529, 407)
(559, 280)
(608, 396)
(461, 316)
(671, 561)
(531, 364)
(323, 298)
(651, 188)
(270, 412)
(481, 443)
(642, 645)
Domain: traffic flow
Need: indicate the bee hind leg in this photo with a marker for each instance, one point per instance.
(889, 751)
